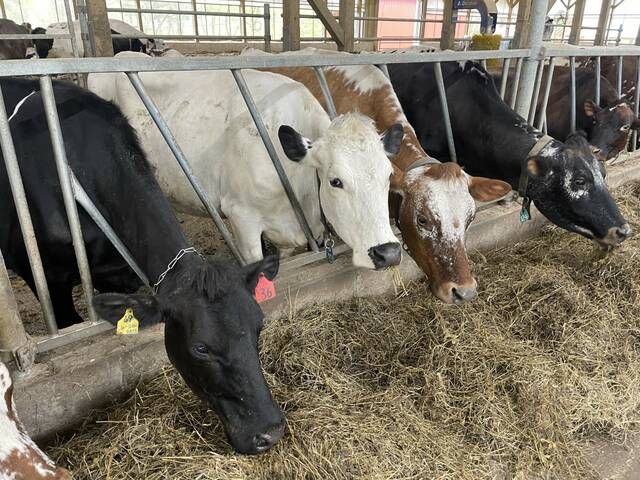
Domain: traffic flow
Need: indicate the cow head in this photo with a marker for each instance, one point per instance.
(612, 126)
(566, 183)
(42, 46)
(352, 165)
(212, 324)
(437, 205)
(20, 457)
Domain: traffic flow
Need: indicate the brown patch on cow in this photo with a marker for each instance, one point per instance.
(30, 465)
(445, 171)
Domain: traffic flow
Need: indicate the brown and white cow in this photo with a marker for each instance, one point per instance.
(20, 457)
(437, 199)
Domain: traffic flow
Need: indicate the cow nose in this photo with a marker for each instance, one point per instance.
(451, 292)
(264, 441)
(623, 232)
(385, 255)
(461, 295)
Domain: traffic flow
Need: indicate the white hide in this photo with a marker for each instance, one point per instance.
(212, 125)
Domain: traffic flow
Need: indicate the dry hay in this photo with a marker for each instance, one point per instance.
(513, 385)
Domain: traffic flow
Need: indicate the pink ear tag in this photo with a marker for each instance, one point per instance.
(265, 289)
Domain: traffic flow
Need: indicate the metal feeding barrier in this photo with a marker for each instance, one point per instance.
(12, 337)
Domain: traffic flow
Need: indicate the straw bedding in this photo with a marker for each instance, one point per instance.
(514, 385)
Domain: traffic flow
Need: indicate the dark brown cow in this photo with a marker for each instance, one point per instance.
(14, 49)
(437, 199)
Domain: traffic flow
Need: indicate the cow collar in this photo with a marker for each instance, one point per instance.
(525, 213)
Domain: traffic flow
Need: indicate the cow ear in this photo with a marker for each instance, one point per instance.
(591, 108)
(538, 166)
(392, 139)
(112, 307)
(268, 266)
(486, 189)
(397, 180)
(295, 146)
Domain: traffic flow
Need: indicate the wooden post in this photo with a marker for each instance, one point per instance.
(326, 17)
(346, 22)
(371, 26)
(99, 26)
(448, 26)
(603, 22)
(521, 33)
(423, 16)
(290, 25)
(3, 12)
(576, 22)
(638, 37)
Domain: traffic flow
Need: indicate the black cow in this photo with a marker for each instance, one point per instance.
(13, 49)
(565, 180)
(212, 321)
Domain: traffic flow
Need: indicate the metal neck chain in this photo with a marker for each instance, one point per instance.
(173, 263)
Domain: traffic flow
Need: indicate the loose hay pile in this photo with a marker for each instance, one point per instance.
(514, 384)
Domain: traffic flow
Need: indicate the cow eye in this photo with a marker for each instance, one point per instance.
(336, 183)
(422, 220)
(201, 349)
(624, 128)
(580, 182)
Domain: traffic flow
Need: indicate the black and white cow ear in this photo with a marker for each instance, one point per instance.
(112, 307)
(392, 139)
(591, 108)
(295, 146)
(269, 266)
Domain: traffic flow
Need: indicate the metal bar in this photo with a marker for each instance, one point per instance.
(536, 92)
(483, 62)
(185, 12)
(516, 83)
(3, 12)
(442, 93)
(72, 29)
(619, 77)
(636, 105)
(598, 74)
(322, 80)
(72, 334)
(273, 155)
(24, 218)
(14, 342)
(62, 165)
(129, 64)
(504, 77)
(547, 92)
(267, 28)
(166, 133)
(595, 51)
(534, 41)
(196, 29)
(189, 37)
(572, 63)
(139, 11)
(34, 36)
(87, 204)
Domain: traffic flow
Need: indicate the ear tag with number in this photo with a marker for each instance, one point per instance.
(525, 213)
(128, 324)
(265, 289)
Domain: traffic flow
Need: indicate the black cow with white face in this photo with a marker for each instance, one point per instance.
(212, 321)
(564, 180)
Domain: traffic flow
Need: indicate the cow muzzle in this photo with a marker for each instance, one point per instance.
(615, 236)
(455, 293)
(385, 255)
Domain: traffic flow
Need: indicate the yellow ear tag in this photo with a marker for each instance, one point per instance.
(128, 324)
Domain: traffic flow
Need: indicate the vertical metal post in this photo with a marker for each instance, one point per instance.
(3, 12)
(619, 37)
(619, 77)
(267, 28)
(182, 161)
(139, 9)
(72, 29)
(536, 30)
(15, 344)
(504, 77)
(547, 92)
(70, 206)
(598, 73)
(257, 119)
(576, 22)
(572, 63)
(24, 218)
(603, 21)
(636, 105)
(196, 29)
(536, 92)
(290, 25)
(516, 83)
(442, 93)
(322, 80)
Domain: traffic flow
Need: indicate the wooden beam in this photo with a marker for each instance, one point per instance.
(291, 25)
(603, 22)
(346, 22)
(448, 26)
(521, 33)
(576, 22)
(99, 21)
(326, 17)
(371, 26)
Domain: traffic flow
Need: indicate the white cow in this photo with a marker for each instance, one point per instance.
(208, 117)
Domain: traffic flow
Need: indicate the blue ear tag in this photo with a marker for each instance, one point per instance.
(525, 213)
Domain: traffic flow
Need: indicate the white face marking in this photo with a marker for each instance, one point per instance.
(351, 151)
(574, 194)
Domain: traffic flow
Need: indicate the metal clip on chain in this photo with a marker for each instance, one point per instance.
(328, 249)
